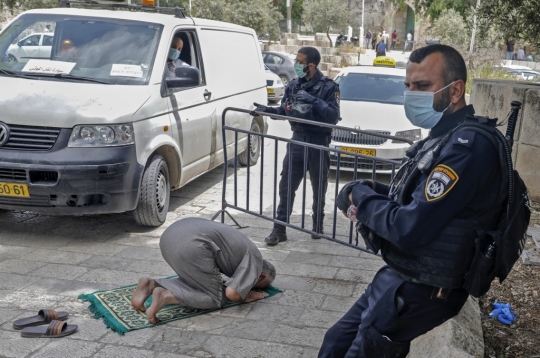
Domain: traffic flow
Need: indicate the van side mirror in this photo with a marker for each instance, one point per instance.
(186, 76)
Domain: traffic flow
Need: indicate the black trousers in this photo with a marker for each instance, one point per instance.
(387, 317)
(318, 174)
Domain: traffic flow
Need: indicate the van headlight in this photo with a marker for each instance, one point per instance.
(412, 134)
(101, 136)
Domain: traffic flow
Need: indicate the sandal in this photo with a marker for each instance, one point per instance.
(44, 316)
(55, 329)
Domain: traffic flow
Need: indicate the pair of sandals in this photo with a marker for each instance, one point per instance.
(47, 324)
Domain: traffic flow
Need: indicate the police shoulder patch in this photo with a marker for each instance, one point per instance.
(439, 183)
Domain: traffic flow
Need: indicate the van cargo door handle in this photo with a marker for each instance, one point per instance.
(207, 95)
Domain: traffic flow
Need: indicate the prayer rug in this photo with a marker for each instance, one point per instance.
(114, 306)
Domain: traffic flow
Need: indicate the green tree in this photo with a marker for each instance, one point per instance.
(322, 15)
(434, 8)
(296, 11)
(451, 29)
(516, 18)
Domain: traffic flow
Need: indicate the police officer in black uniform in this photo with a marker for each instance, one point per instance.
(315, 97)
(425, 223)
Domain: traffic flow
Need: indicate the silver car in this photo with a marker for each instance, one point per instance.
(281, 64)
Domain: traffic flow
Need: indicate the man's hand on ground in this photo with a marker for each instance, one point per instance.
(254, 296)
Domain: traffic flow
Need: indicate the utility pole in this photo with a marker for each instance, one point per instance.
(362, 41)
(289, 11)
(189, 8)
(473, 34)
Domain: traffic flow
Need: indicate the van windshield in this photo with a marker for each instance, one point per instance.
(71, 48)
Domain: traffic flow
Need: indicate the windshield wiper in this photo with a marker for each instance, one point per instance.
(68, 76)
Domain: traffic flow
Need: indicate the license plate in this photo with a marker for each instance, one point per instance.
(270, 90)
(369, 152)
(11, 189)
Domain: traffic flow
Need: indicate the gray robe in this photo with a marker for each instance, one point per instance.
(198, 250)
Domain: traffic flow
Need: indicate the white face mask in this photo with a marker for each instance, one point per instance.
(419, 108)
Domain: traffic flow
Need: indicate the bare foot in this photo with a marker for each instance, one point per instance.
(160, 298)
(144, 289)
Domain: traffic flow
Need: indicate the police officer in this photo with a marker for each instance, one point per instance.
(315, 97)
(426, 221)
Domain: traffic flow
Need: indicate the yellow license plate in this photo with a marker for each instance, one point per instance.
(11, 189)
(370, 152)
(270, 90)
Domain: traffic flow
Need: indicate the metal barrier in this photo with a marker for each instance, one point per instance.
(339, 154)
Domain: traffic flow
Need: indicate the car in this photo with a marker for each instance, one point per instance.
(33, 46)
(371, 99)
(274, 86)
(102, 124)
(281, 64)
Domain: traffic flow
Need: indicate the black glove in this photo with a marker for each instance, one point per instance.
(342, 200)
(258, 108)
(373, 241)
(304, 97)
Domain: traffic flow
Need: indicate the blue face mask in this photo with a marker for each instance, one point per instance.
(299, 69)
(173, 54)
(419, 108)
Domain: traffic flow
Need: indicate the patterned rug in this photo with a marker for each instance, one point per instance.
(114, 306)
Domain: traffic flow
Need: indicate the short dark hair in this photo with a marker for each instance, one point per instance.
(454, 64)
(312, 55)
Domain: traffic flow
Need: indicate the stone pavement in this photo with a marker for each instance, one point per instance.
(46, 262)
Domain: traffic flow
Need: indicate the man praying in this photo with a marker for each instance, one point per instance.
(199, 251)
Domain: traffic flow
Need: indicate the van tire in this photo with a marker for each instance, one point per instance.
(254, 152)
(154, 194)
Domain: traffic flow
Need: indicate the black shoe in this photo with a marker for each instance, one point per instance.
(318, 229)
(317, 236)
(276, 236)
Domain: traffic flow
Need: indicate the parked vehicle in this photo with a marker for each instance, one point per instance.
(274, 86)
(34, 46)
(101, 125)
(281, 64)
(340, 40)
(371, 98)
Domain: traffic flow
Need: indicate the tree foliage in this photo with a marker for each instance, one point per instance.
(322, 15)
(434, 8)
(516, 18)
(260, 15)
(296, 11)
(451, 29)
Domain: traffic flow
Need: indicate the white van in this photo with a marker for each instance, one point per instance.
(98, 124)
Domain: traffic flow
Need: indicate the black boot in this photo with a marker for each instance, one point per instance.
(317, 227)
(277, 235)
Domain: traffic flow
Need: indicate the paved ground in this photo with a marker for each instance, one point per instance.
(46, 262)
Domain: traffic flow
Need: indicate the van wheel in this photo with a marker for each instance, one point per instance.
(154, 195)
(255, 150)
(12, 58)
(284, 80)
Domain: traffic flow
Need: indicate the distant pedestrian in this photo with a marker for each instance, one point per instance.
(373, 40)
(394, 39)
(368, 39)
(408, 44)
(520, 54)
(381, 49)
(510, 48)
(385, 38)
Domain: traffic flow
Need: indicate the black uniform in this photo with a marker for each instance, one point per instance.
(325, 108)
(427, 225)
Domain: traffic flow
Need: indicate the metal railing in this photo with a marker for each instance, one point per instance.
(247, 207)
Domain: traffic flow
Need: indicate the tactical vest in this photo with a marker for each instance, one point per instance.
(305, 110)
(444, 261)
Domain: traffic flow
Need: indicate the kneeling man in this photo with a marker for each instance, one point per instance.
(199, 250)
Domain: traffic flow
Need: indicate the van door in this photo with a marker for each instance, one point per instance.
(29, 48)
(193, 119)
(46, 46)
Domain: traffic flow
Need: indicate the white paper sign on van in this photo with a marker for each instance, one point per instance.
(120, 70)
(48, 66)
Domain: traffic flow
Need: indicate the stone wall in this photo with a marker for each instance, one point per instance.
(492, 98)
